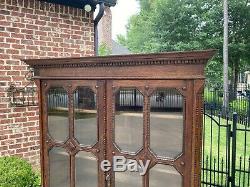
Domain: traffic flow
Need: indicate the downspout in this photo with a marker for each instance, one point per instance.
(96, 21)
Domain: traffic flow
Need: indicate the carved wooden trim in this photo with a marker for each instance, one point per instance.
(120, 64)
(197, 130)
(174, 58)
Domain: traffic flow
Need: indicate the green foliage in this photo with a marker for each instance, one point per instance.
(240, 106)
(104, 50)
(16, 172)
(180, 25)
(214, 74)
(213, 97)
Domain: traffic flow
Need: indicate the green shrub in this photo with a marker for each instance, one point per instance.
(16, 172)
(240, 106)
(213, 96)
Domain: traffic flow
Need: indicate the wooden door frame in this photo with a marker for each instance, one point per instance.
(71, 145)
(183, 162)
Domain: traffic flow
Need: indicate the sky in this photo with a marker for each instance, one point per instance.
(121, 14)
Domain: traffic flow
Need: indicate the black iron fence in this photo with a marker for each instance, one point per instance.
(239, 101)
(226, 149)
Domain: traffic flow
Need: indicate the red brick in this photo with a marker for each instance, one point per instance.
(21, 140)
(33, 27)
(7, 110)
(27, 31)
(29, 133)
(13, 73)
(18, 14)
(20, 119)
(28, 124)
(3, 148)
(13, 62)
(41, 33)
(20, 109)
(29, 114)
(22, 150)
(4, 12)
(13, 115)
(3, 137)
(15, 41)
(4, 45)
(16, 35)
(6, 121)
(12, 51)
(16, 136)
(2, 116)
(19, 25)
(18, 68)
(33, 118)
(33, 128)
(3, 105)
(29, 144)
(15, 30)
(15, 146)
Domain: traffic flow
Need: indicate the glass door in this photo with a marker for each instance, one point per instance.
(142, 128)
(149, 133)
(73, 133)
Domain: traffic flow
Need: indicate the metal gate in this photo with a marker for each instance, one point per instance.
(226, 149)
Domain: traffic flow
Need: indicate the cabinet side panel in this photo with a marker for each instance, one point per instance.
(197, 131)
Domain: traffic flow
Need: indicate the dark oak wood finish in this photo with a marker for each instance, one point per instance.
(183, 71)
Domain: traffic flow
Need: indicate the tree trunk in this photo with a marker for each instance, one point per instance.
(225, 59)
(235, 79)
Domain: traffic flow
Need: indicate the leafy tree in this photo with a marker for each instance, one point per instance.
(104, 50)
(176, 25)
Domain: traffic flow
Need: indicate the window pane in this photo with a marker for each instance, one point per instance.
(129, 120)
(86, 170)
(59, 168)
(166, 123)
(125, 179)
(58, 121)
(85, 116)
(160, 175)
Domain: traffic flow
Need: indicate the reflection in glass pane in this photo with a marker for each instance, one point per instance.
(129, 119)
(86, 170)
(166, 123)
(162, 176)
(125, 179)
(59, 168)
(85, 116)
(58, 122)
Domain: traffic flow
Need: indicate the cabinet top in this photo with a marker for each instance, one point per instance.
(170, 64)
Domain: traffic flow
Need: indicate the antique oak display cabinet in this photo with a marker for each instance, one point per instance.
(142, 107)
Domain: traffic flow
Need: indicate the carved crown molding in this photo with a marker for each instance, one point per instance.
(120, 64)
(173, 58)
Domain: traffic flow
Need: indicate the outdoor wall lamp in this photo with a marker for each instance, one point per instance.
(87, 8)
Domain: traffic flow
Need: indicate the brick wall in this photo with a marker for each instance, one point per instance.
(34, 29)
(105, 28)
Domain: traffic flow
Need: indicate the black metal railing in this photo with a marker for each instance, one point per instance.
(239, 101)
(226, 149)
